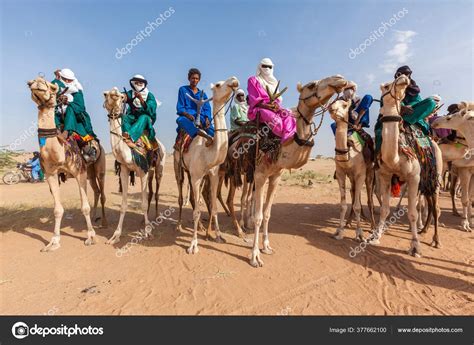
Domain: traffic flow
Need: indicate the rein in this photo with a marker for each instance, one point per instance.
(229, 101)
(397, 117)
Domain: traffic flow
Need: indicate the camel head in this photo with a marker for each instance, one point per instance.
(394, 92)
(43, 93)
(460, 121)
(339, 110)
(318, 92)
(222, 90)
(114, 100)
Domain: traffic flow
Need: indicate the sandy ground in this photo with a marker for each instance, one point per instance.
(310, 272)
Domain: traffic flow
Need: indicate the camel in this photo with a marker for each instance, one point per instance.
(462, 121)
(114, 104)
(59, 157)
(408, 169)
(350, 163)
(294, 154)
(200, 161)
(156, 174)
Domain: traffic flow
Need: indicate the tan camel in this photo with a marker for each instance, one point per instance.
(350, 163)
(392, 162)
(463, 121)
(156, 174)
(114, 104)
(200, 161)
(57, 157)
(294, 154)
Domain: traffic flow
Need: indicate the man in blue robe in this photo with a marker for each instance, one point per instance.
(186, 109)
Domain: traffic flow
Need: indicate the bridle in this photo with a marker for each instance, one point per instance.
(345, 151)
(116, 115)
(228, 101)
(323, 108)
(42, 104)
(393, 87)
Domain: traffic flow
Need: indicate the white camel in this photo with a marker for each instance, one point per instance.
(350, 163)
(462, 121)
(57, 157)
(114, 104)
(294, 154)
(201, 160)
(406, 168)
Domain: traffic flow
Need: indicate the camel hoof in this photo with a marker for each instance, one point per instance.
(436, 244)
(51, 247)
(338, 235)
(373, 242)
(179, 228)
(90, 241)
(113, 240)
(466, 227)
(255, 261)
(220, 239)
(193, 249)
(414, 252)
(268, 250)
(359, 238)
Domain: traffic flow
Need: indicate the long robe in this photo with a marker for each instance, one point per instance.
(184, 104)
(136, 120)
(237, 114)
(281, 122)
(75, 117)
(364, 104)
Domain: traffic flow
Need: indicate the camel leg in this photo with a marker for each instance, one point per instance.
(85, 208)
(369, 183)
(402, 195)
(465, 177)
(179, 174)
(384, 182)
(214, 182)
(341, 180)
(143, 186)
(260, 179)
(420, 207)
(357, 205)
(195, 185)
(158, 177)
(58, 213)
(452, 192)
(95, 188)
(436, 212)
(271, 192)
(151, 175)
(219, 195)
(249, 204)
(413, 183)
(124, 173)
(230, 204)
(101, 178)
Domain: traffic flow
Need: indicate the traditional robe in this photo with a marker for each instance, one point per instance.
(281, 122)
(363, 104)
(185, 104)
(137, 119)
(238, 113)
(74, 117)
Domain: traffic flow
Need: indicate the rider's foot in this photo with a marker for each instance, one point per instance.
(128, 140)
(209, 139)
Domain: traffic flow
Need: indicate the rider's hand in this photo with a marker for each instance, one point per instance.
(63, 99)
(208, 123)
(406, 110)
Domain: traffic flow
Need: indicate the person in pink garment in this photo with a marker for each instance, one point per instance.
(280, 120)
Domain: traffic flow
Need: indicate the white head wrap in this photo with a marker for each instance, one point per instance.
(243, 105)
(143, 92)
(265, 75)
(73, 86)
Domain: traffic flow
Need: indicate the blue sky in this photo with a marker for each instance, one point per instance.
(306, 41)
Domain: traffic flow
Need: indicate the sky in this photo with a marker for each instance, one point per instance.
(365, 41)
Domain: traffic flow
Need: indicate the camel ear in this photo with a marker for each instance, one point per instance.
(212, 86)
(299, 87)
(383, 87)
(106, 93)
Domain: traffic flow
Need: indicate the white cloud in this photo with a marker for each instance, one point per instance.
(400, 52)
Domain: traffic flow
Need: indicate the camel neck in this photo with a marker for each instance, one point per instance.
(341, 135)
(220, 129)
(390, 134)
(46, 118)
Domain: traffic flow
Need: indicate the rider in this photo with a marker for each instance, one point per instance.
(238, 112)
(438, 133)
(279, 119)
(71, 116)
(186, 109)
(140, 115)
(35, 167)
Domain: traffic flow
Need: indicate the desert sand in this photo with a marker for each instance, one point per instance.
(310, 272)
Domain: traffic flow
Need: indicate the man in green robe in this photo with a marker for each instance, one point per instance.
(71, 115)
(141, 113)
(238, 112)
(413, 108)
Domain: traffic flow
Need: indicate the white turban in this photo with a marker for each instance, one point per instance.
(265, 75)
(73, 86)
(144, 92)
(243, 105)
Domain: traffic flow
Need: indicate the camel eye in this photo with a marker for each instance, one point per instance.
(311, 85)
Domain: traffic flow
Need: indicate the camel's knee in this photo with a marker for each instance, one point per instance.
(58, 211)
(86, 209)
(196, 215)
